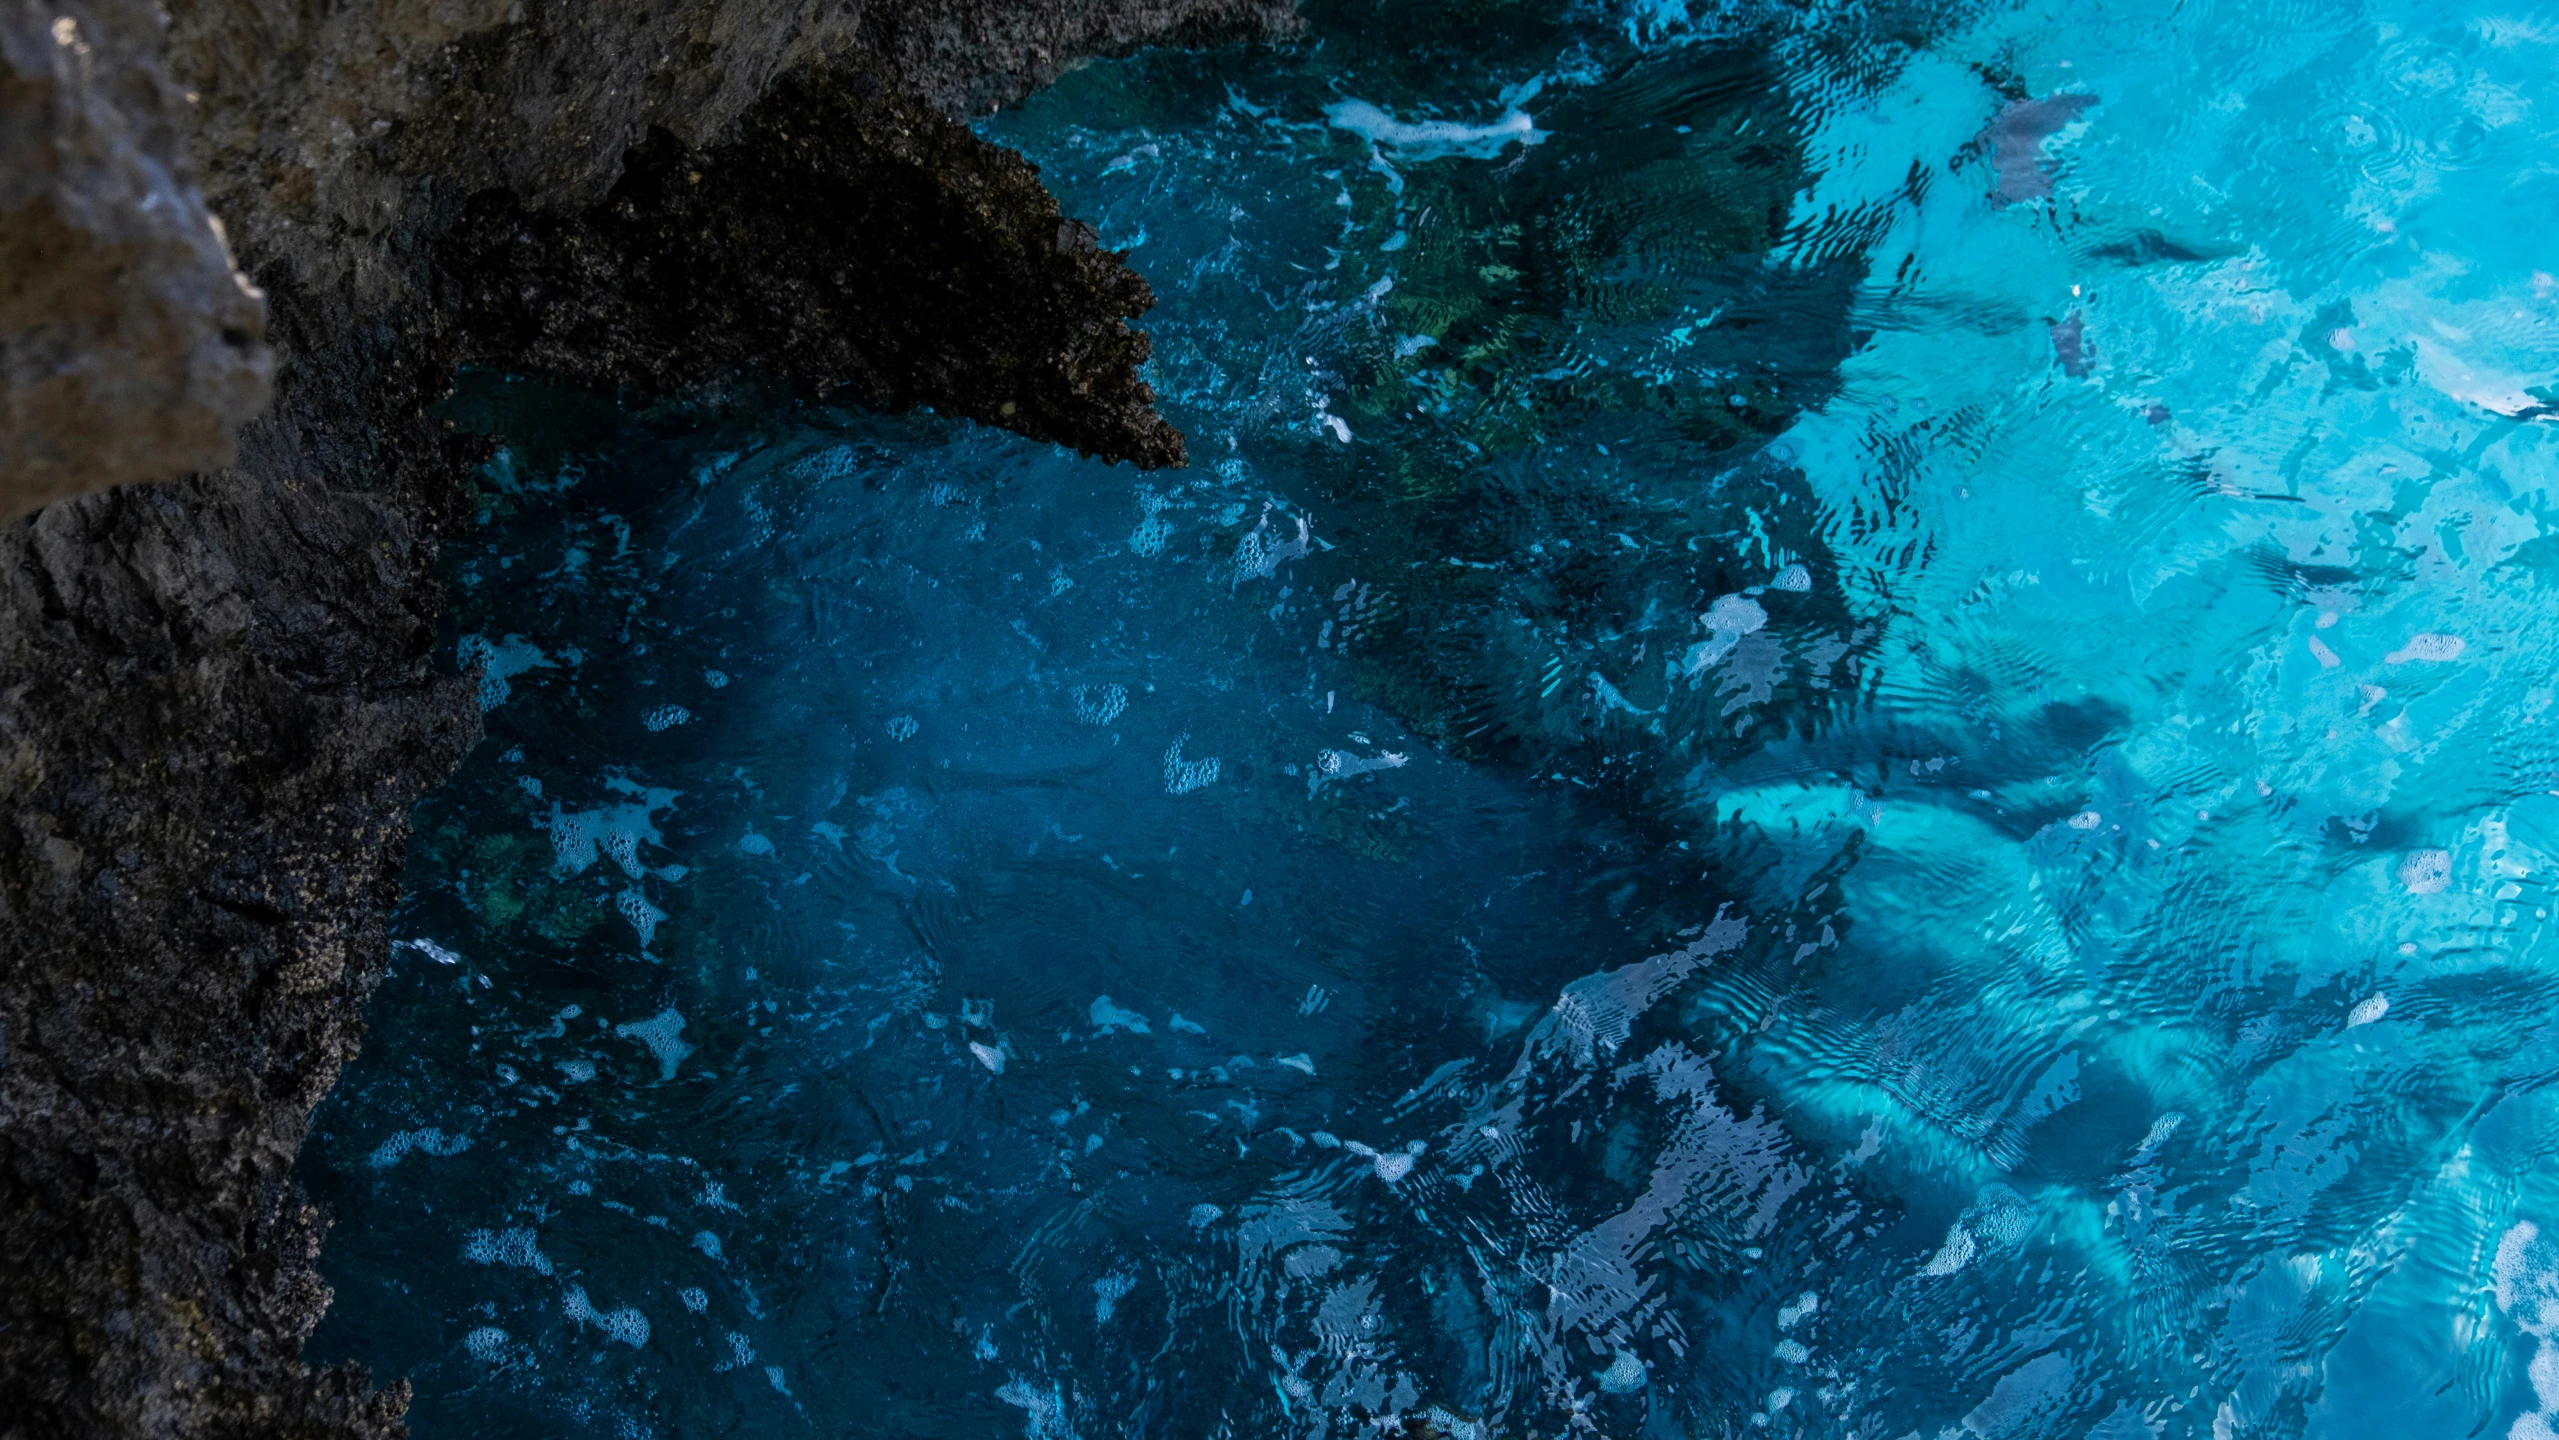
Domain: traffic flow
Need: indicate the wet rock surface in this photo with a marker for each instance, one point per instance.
(218, 699)
(856, 241)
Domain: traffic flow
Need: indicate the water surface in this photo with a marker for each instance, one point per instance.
(1844, 732)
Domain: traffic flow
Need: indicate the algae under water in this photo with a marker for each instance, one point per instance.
(1846, 731)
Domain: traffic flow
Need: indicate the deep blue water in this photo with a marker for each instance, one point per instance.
(1845, 732)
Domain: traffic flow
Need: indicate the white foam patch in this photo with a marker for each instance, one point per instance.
(1044, 1411)
(664, 717)
(1625, 1374)
(1108, 1292)
(695, 1298)
(425, 1139)
(1100, 704)
(2431, 648)
(627, 1324)
(2366, 1011)
(988, 1056)
(662, 1034)
(1107, 1017)
(518, 1248)
(1434, 139)
(1391, 1165)
(1952, 1256)
(579, 836)
(2426, 872)
(1182, 776)
(2527, 1290)
(1727, 620)
(644, 917)
(1260, 553)
(486, 1344)
(1334, 766)
(498, 661)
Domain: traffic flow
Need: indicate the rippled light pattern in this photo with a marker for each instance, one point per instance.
(1845, 731)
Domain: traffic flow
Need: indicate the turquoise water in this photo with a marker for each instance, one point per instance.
(1844, 733)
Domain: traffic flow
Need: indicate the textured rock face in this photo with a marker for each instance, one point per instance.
(216, 695)
(129, 349)
(915, 265)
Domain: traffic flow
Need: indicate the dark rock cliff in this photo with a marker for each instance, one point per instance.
(216, 696)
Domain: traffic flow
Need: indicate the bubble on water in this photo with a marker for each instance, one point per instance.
(1204, 1215)
(1044, 1416)
(2429, 648)
(486, 1344)
(1340, 765)
(1794, 578)
(1625, 1374)
(1737, 613)
(903, 727)
(1182, 776)
(644, 917)
(988, 1056)
(425, 1139)
(1260, 553)
(665, 717)
(1391, 1165)
(578, 836)
(661, 1033)
(1100, 704)
(2368, 1010)
(1952, 1256)
(2426, 872)
(1108, 1292)
(498, 661)
(627, 1324)
(518, 1248)
(1107, 1017)
(754, 843)
(694, 1298)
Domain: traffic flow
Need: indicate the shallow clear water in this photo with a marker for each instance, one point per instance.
(1827, 744)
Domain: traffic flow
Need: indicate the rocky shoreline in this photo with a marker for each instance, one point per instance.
(219, 696)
